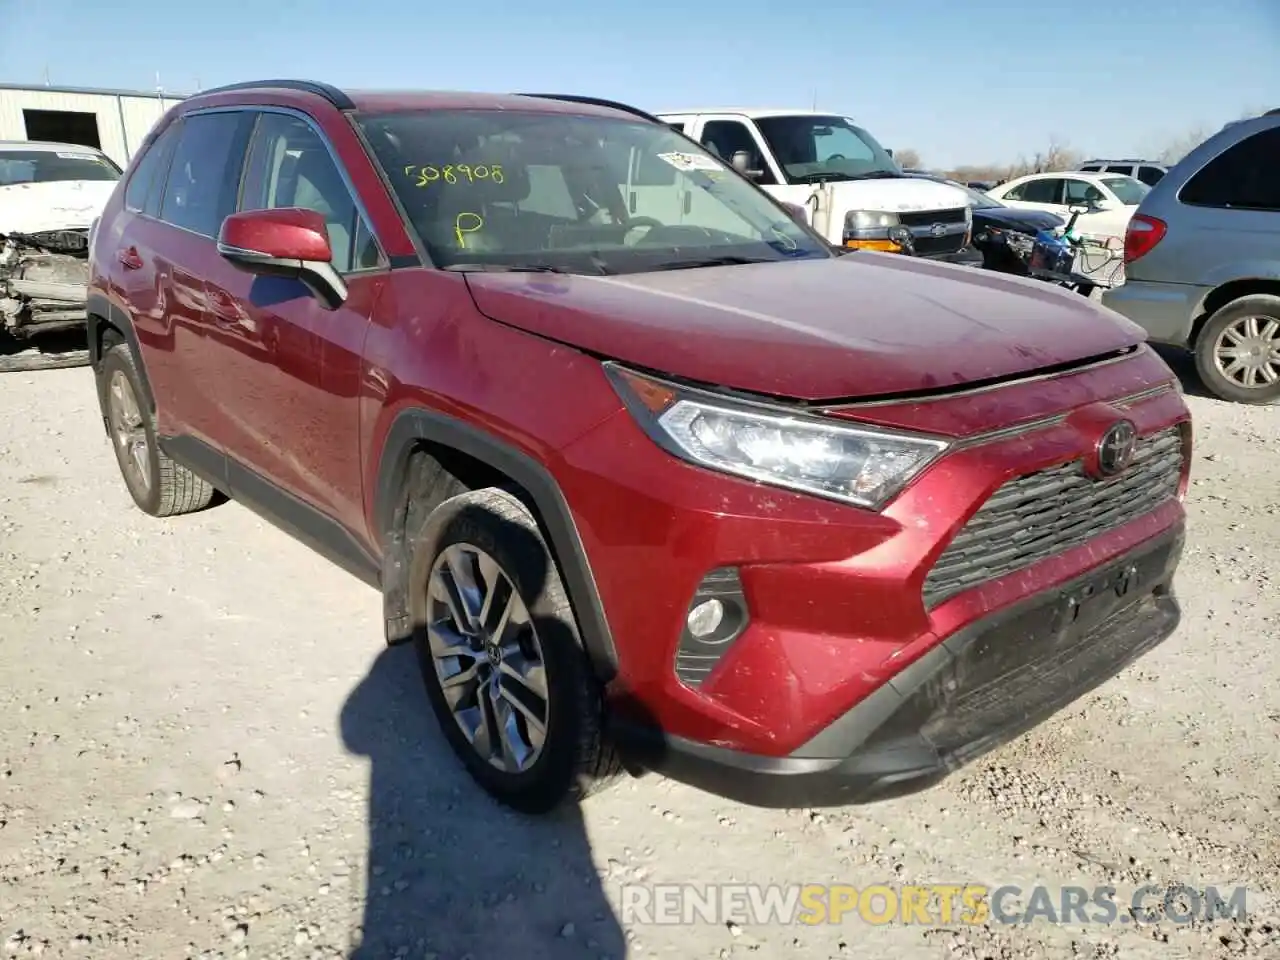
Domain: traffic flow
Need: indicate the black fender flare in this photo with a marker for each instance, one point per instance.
(101, 311)
(418, 425)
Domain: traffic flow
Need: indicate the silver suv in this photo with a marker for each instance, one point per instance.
(1148, 171)
(1202, 261)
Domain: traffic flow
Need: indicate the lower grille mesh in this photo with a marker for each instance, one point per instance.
(1043, 514)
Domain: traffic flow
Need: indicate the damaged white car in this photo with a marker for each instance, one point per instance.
(50, 194)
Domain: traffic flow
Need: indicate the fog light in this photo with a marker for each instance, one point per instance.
(717, 615)
(705, 618)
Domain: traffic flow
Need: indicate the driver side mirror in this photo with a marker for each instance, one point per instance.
(742, 163)
(287, 242)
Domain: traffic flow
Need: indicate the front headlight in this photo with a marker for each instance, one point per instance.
(872, 224)
(863, 466)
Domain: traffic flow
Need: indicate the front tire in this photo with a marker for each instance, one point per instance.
(159, 485)
(501, 658)
(1238, 350)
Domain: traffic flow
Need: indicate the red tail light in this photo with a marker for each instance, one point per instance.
(1142, 236)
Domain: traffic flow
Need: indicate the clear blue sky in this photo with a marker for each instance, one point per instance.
(960, 81)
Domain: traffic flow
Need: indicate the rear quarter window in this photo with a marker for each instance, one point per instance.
(149, 173)
(1242, 177)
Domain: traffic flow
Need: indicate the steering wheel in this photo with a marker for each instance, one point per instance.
(837, 156)
(637, 222)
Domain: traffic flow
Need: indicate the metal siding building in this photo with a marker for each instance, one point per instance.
(115, 121)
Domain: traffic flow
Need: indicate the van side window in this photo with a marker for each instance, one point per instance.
(724, 138)
(290, 166)
(1150, 175)
(1241, 178)
(200, 191)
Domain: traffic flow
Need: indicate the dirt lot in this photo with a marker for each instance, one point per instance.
(205, 752)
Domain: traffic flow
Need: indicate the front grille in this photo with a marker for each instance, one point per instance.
(927, 218)
(1034, 517)
(938, 246)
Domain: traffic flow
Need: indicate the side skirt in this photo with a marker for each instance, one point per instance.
(283, 510)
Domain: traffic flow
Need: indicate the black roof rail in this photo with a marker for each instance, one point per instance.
(328, 92)
(595, 102)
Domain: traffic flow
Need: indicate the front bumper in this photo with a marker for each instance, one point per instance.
(979, 688)
(969, 256)
(1166, 311)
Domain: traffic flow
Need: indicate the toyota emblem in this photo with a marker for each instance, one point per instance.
(1115, 448)
(938, 229)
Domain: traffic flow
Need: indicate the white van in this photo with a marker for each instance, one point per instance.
(852, 191)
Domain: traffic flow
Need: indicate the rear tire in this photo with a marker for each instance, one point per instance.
(482, 553)
(1239, 344)
(159, 486)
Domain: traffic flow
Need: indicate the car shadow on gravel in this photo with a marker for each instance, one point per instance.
(451, 873)
(1184, 365)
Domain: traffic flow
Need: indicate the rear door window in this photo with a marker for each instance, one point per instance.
(201, 188)
(1048, 190)
(1150, 175)
(1241, 178)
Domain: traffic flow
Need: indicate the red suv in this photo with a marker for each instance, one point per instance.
(651, 476)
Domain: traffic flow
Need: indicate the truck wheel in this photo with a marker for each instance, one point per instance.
(1238, 350)
(158, 485)
(500, 654)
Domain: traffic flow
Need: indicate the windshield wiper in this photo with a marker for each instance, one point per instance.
(828, 177)
(601, 269)
(711, 262)
(504, 268)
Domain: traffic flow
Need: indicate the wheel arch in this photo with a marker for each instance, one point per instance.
(1225, 293)
(101, 317)
(423, 447)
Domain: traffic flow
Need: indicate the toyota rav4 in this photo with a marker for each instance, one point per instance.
(652, 477)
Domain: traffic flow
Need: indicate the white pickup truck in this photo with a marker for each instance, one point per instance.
(849, 186)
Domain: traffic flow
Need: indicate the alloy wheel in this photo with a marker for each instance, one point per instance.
(1247, 352)
(128, 432)
(487, 658)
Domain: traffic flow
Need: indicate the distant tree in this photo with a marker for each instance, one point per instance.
(1180, 146)
(907, 158)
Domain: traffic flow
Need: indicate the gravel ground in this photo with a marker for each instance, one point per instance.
(206, 752)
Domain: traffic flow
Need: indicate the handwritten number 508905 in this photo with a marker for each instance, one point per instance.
(455, 173)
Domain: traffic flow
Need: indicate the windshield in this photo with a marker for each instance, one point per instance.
(977, 199)
(811, 149)
(46, 166)
(1127, 190)
(495, 189)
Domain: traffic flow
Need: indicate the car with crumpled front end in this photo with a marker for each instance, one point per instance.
(50, 194)
(684, 490)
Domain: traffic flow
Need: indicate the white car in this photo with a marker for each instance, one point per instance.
(50, 195)
(1112, 199)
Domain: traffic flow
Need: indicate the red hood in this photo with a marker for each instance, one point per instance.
(860, 325)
